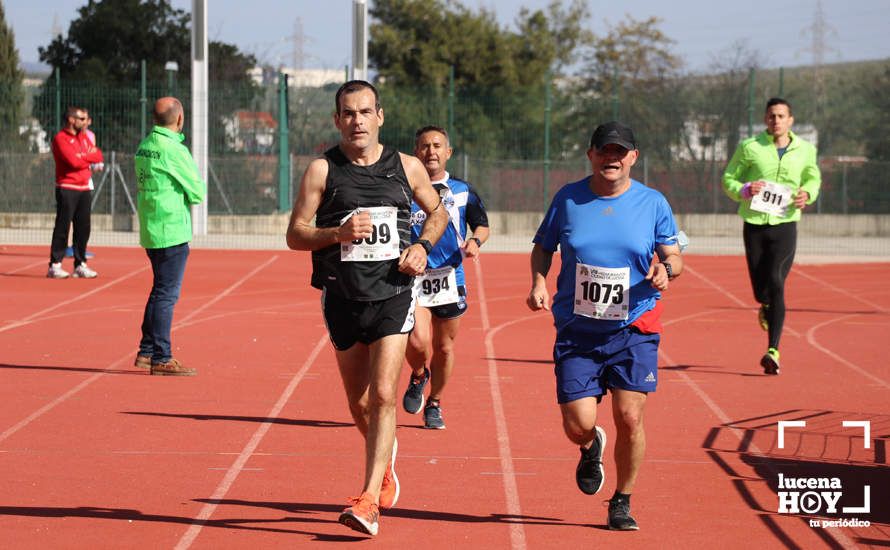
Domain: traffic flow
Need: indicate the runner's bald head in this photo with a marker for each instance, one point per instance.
(167, 112)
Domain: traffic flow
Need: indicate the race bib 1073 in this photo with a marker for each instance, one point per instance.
(602, 292)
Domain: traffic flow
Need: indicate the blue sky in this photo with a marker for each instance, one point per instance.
(778, 31)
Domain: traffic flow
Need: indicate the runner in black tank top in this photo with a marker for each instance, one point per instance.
(352, 212)
(348, 187)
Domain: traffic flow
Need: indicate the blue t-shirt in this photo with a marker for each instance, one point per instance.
(609, 232)
(464, 208)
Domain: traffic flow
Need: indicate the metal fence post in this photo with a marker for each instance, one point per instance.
(547, 107)
(751, 102)
(58, 100)
(142, 99)
(283, 147)
(451, 100)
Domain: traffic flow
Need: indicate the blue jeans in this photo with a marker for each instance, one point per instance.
(168, 268)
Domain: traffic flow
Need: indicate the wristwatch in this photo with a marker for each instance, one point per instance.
(427, 246)
(478, 242)
(668, 269)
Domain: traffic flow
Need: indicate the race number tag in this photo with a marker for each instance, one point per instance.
(383, 244)
(437, 287)
(602, 292)
(773, 199)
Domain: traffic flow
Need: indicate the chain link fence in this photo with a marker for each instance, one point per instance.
(517, 147)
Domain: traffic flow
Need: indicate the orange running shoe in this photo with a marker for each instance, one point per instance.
(389, 489)
(362, 516)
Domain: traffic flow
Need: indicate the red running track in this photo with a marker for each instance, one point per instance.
(258, 450)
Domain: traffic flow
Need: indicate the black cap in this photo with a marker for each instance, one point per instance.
(613, 132)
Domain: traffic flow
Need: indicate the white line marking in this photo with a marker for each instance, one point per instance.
(811, 338)
(33, 316)
(238, 466)
(733, 297)
(511, 492)
(840, 290)
(721, 415)
(25, 268)
(114, 364)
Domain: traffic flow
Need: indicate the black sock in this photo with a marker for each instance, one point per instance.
(620, 497)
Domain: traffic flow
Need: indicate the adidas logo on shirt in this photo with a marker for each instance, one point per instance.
(650, 378)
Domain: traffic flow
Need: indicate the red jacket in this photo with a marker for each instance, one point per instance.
(73, 160)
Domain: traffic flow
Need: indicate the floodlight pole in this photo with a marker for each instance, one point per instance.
(200, 114)
(359, 39)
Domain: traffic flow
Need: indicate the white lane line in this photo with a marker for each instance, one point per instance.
(114, 364)
(229, 290)
(238, 466)
(511, 492)
(25, 268)
(732, 296)
(33, 316)
(811, 338)
(721, 415)
(840, 290)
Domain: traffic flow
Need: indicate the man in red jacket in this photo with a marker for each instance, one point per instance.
(73, 153)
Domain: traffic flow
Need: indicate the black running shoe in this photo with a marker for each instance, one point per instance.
(619, 516)
(432, 416)
(589, 475)
(770, 361)
(414, 400)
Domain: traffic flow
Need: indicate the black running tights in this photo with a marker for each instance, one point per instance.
(769, 250)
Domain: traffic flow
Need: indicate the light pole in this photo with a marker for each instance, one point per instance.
(171, 67)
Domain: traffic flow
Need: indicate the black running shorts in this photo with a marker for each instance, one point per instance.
(455, 310)
(351, 321)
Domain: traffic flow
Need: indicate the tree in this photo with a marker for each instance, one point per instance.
(631, 74)
(11, 94)
(103, 51)
(876, 143)
(500, 75)
(416, 42)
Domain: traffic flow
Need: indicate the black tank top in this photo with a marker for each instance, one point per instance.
(350, 186)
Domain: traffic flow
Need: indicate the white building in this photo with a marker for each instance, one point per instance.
(703, 144)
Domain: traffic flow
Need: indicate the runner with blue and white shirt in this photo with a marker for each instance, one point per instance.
(608, 228)
(441, 290)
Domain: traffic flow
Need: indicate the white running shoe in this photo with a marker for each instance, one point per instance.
(83, 271)
(56, 272)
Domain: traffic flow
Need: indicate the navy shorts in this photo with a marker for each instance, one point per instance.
(455, 310)
(351, 321)
(586, 365)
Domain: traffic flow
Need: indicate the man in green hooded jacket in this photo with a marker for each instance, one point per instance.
(773, 176)
(168, 184)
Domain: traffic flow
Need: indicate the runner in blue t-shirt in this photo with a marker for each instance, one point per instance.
(608, 229)
(441, 291)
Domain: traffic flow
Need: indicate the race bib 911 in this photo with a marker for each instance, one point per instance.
(773, 199)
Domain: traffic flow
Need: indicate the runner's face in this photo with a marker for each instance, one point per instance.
(612, 163)
(359, 120)
(778, 120)
(433, 151)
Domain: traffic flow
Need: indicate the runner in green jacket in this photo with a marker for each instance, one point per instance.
(168, 185)
(773, 176)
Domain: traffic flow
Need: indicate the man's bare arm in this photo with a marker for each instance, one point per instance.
(302, 233)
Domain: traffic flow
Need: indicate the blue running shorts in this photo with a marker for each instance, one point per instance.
(586, 365)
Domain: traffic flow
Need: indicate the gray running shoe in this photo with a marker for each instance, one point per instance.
(589, 475)
(414, 400)
(619, 516)
(432, 416)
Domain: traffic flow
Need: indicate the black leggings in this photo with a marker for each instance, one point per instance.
(769, 250)
(71, 206)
